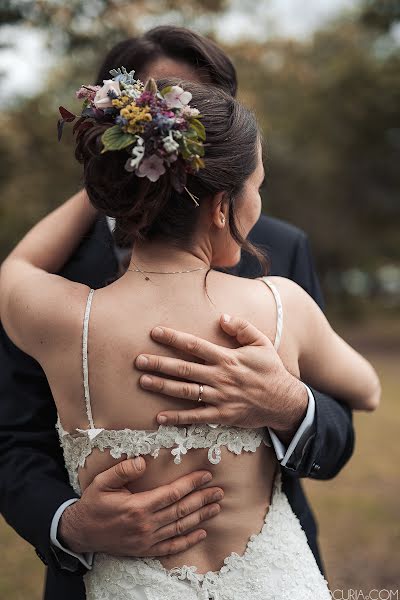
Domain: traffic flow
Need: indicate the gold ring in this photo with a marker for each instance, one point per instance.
(201, 390)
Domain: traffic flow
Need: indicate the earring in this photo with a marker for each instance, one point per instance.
(223, 219)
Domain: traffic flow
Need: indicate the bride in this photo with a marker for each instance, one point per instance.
(179, 166)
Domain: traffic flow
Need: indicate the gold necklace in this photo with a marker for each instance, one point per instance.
(137, 270)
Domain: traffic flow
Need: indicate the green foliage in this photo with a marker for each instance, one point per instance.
(115, 139)
(330, 111)
(198, 128)
(380, 14)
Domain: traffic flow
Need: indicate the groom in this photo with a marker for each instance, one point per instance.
(311, 432)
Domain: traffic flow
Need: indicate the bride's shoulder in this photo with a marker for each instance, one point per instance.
(298, 305)
(249, 296)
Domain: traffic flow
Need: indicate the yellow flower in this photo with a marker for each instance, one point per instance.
(121, 102)
(136, 116)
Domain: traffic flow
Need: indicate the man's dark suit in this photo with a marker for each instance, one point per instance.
(33, 479)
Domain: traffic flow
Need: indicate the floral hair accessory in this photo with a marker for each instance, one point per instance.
(158, 128)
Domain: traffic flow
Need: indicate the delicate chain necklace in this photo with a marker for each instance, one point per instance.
(137, 270)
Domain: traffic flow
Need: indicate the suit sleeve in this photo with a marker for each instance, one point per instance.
(329, 443)
(33, 478)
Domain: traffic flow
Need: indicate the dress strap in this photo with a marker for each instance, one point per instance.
(279, 311)
(85, 359)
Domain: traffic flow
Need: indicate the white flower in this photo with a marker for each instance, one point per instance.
(170, 145)
(137, 153)
(152, 168)
(133, 91)
(101, 99)
(188, 111)
(177, 97)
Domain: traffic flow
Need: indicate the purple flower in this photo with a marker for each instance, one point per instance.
(151, 167)
(145, 98)
(164, 122)
(121, 121)
(87, 91)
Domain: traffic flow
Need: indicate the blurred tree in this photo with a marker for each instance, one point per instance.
(380, 14)
(330, 109)
(92, 24)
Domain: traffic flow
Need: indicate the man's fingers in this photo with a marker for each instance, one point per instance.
(174, 367)
(245, 333)
(208, 414)
(178, 389)
(178, 544)
(186, 342)
(121, 474)
(187, 523)
(190, 504)
(165, 495)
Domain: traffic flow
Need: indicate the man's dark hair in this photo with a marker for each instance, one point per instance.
(177, 43)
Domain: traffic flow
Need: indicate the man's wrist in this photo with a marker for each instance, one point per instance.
(295, 416)
(67, 529)
(68, 556)
(292, 455)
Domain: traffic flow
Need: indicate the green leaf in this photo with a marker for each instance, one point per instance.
(165, 90)
(195, 147)
(199, 128)
(115, 139)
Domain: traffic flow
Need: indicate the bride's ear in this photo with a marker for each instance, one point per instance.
(219, 210)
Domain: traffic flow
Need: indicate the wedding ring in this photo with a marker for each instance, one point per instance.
(201, 390)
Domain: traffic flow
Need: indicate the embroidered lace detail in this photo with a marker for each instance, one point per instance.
(277, 564)
(135, 442)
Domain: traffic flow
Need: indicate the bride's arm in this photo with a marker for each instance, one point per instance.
(326, 361)
(51, 242)
(28, 285)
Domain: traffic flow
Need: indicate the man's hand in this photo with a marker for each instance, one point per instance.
(247, 387)
(109, 518)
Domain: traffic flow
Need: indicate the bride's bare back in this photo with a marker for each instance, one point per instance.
(121, 318)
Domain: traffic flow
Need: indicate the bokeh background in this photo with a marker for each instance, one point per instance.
(324, 79)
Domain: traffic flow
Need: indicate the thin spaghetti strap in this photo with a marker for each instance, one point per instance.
(279, 311)
(85, 359)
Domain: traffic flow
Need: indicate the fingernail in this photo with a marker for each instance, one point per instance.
(158, 332)
(139, 463)
(162, 419)
(226, 318)
(145, 381)
(214, 510)
(207, 477)
(202, 535)
(142, 361)
(218, 495)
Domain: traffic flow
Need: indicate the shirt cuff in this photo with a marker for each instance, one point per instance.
(282, 453)
(85, 558)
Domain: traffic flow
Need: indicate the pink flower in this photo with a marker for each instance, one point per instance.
(177, 97)
(101, 99)
(151, 167)
(87, 91)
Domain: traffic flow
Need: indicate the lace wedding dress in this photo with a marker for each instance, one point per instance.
(277, 563)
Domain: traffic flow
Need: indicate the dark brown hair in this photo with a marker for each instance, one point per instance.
(146, 210)
(178, 43)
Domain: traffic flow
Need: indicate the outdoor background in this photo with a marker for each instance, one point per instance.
(324, 79)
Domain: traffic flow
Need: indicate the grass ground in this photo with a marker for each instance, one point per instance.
(358, 511)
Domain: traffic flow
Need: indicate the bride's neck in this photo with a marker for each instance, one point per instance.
(162, 256)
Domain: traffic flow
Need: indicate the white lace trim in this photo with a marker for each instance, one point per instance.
(135, 442)
(277, 564)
